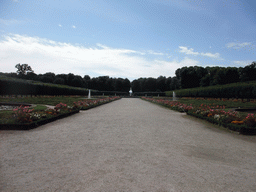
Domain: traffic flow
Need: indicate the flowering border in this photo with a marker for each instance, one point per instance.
(34, 124)
(88, 104)
(26, 119)
(214, 114)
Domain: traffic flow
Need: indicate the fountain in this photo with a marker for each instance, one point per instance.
(89, 94)
(130, 92)
(174, 96)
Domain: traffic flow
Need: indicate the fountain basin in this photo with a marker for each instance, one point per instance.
(10, 106)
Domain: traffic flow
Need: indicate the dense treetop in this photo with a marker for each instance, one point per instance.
(186, 77)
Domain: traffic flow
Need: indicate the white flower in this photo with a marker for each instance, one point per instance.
(216, 116)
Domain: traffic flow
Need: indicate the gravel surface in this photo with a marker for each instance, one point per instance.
(127, 145)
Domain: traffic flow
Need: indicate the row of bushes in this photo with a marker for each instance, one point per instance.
(22, 87)
(149, 94)
(245, 90)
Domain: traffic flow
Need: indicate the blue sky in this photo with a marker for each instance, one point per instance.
(128, 38)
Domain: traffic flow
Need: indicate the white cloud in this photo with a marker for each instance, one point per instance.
(187, 51)
(191, 52)
(237, 45)
(243, 63)
(74, 26)
(45, 55)
(10, 21)
(212, 55)
(60, 25)
(154, 53)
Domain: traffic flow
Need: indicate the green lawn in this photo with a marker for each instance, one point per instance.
(40, 102)
(228, 103)
(51, 100)
(7, 116)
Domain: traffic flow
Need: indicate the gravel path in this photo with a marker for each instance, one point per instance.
(127, 145)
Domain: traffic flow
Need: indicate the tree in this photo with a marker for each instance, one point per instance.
(64, 77)
(110, 84)
(168, 83)
(150, 84)
(136, 86)
(232, 75)
(188, 77)
(86, 80)
(248, 73)
(23, 69)
(200, 72)
(31, 76)
(220, 77)
(70, 77)
(59, 80)
(205, 81)
(48, 77)
(160, 83)
(101, 81)
(174, 84)
(126, 85)
(87, 77)
(118, 84)
(77, 81)
(142, 84)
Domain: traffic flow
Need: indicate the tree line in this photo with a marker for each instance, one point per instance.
(196, 76)
(101, 83)
(190, 77)
(185, 77)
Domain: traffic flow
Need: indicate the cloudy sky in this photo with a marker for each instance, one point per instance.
(126, 38)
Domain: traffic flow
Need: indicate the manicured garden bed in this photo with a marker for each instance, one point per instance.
(34, 124)
(25, 118)
(88, 104)
(244, 123)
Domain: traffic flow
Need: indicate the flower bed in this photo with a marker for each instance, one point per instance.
(25, 118)
(88, 104)
(34, 124)
(214, 114)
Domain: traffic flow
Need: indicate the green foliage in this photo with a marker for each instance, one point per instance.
(235, 90)
(248, 73)
(23, 69)
(216, 114)
(102, 83)
(12, 86)
(39, 107)
(151, 84)
(15, 86)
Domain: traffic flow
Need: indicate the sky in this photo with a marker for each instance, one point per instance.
(126, 38)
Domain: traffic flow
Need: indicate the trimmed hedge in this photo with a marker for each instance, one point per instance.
(245, 90)
(24, 87)
(149, 93)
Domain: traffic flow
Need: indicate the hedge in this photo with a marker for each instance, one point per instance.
(245, 90)
(23, 87)
(149, 93)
